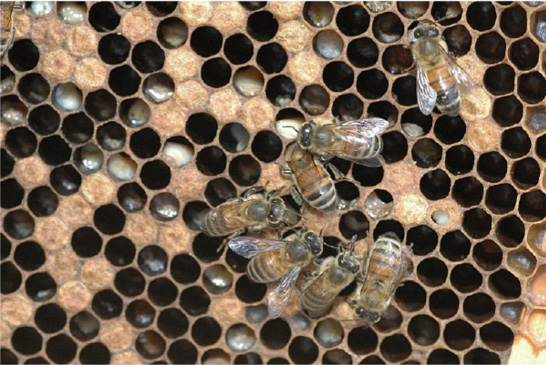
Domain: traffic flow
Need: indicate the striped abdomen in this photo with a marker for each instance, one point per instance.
(317, 188)
(445, 85)
(384, 262)
(230, 217)
(267, 267)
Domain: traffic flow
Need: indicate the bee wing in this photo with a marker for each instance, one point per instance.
(426, 96)
(279, 296)
(248, 247)
(464, 82)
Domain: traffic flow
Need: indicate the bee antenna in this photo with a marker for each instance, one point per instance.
(298, 214)
(325, 224)
(352, 243)
(291, 126)
(329, 245)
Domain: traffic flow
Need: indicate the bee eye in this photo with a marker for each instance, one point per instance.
(360, 312)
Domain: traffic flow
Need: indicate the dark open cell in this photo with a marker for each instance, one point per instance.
(50, 318)
(109, 219)
(467, 191)
(206, 41)
(532, 87)
(303, 350)
(354, 223)
(446, 12)
(459, 335)
(194, 300)
(422, 239)
(9, 357)
(395, 348)
(172, 322)
(515, 142)
(432, 272)
(372, 84)
(234, 137)
(412, 9)
(42, 201)
(33, 88)
(352, 20)
(314, 99)
(207, 249)
(347, 107)
(158, 88)
(120, 251)
(161, 8)
(150, 344)
(248, 358)
(18, 224)
(481, 356)
(219, 190)
(192, 214)
(403, 90)
(216, 72)
(40, 287)
(479, 308)
(211, 161)
(24, 55)
(465, 278)
(86, 242)
(455, 246)
(492, 166)
(501, 199)
(387, 27)
(95, 353)
(10, 278)
(372, 359)
(426, 153)
(201, 128)
(487, 254)
(336, 356)
(275, 334)
(411, 296)
(206, 331)
(280, 90)
(443, 356)
(444, 303)
(271, 58)
(182, 352)
(414, 117)
(124, 81)
(362, 340)
(490, 47)
(386, 226)
(103, 17)
(395, 146)
(499, 80)
(524, 54)
(145, 143)
(481, 15)
(152, 260)
(249, 291)
(132, 197)
(262, 26)
(172, 33)
(458, 40)
(114, 48)
(54, 150)
(347, 191)
(44, 119)
(266, 146)
(328, 44)
(162, 292)
(26, 341)
(7, 163)
(505, 285)
(129, 282)
(84, 326)
(513, 21)
(244, 170)
(367, 176)
(238, 49)
(423, 330)
(540, 147)
(397, 59)
(5, 247)
(236, 262)
(507, 111)
(497, 336)
(107, 304)
(338, 76)
(100, 105)
(390, 320)
(155, 174)
(476, 223)
(78, 128)
(185, 269)
(532, 206)
(318, 14)
(435, 184)
(459, 159)
(362, 52)
(148, 57)
(13, 193)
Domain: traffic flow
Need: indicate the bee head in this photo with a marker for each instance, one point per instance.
(276, 209)
(368, 316)
(346, 261)
(304, 138)
(422, 30)
(314, 241)
(298, 251)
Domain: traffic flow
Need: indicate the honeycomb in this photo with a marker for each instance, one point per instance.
(122, 122)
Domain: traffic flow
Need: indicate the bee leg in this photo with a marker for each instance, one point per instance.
(228, 238)
(335, 171)
(287, 171)
(296, 194)
(252, 191)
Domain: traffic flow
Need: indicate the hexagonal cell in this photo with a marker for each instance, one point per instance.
(487, 254)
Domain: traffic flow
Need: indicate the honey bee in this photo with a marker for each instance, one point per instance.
(384, 266)
(358, 140)
(278, 261)
(8, 30)
(440, 81)
(255, 210)
(334, 274)
(311, 180)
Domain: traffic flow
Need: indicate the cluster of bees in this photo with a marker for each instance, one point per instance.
(440, 83)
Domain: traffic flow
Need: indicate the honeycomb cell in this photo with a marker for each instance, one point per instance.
(5, 247)
(54, 150)
(532, 87)
(362, 340)
(266, 146)
(248, 358)
(33, 88)
(390, 321)
(411, 296)
(26, 341)
(479, 308)
(395, 146)
(372, 359)
(257, 313)
(182, 352)
(541, 147)
(8, 357)
(328, 333)
(487, 254)
(435, 184)
(158, 88)
(10, 278)
(492, 166)
(432, 272)
(155, 174)
(152, 260)
(403, 90)
(207, 249)
(206, 331)
(109, 219)
(14, 111)
(338, 76)
(147, 57)
(249, 291)
(538, 18)
(467, 191)
(442, 356)
(216, 72)
(501, 199)
(139, 313)
(240, 337)
(459, 335)
(40, 287)
(185, 269)
(318, 14)
(271, 58)
(476, 222)
(18, 224)
(505, 285)
(336, 356)
(481, 356)
(262, 26)
(206, 41)
(44, 119)
(72, 12)
(191, 211)
(444, 303)
(238, 49)
(244, 170)
(412, 9)
(328, 44)
(253, 5)
(8, 80)
(415, 123)
(513, 21)
(95, 353)
(347, 107)
(114, 48)
(132, 197)
(536, 119)
(217, 279)
(194, 300)
(426, 153)
(145, 143)
(354, 223)
(532, 206)
(386, 226)
(101, 105)
(162, 292)
(67, 97)
(50, 318)
(455, 246)
(395, 348)
(248, 81)
(446, 13)
(481, 16)
(458, 40)
(397, 60)
(303, 350)
(422, 239)
(512, 311)
(234, 137)
(84, 326)
(161, 8)
(423, 330)
(7, 163)
(387, 27)
(177, 151)
(103, 17)
(107, 304)
(172, 322)
(499, 80)
(172, 33)
(352, 20)
(524, 54)
(465, 278)
(129, 282)
(314, 99)
(459, 159)
(15, 196)
(124, 80)
(280, 90)
(86, 242)
(490, 47)
(507, 111)
(77, 128)
(362, 52)
(219, 190)
(522, 261)
(372, 84)
(24, 55)
(150, 344)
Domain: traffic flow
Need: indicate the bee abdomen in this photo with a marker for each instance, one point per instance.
(449, 101)
(266, 268)
(323, 198)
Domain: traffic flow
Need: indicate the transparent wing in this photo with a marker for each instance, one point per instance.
(371, 162)
(251, 246)
(280, 295)
(464, 82)
(368, 127)
(426, 96)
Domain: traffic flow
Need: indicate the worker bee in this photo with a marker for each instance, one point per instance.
(358, 140)
(278, 261)
(384, 266)
(255, 210)
(8, 30)
(311, 180)
(440, 81)
(334, 275)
